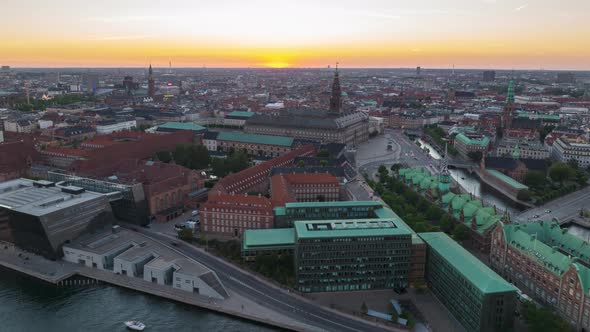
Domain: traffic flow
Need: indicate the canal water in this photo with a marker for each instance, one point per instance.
(27, 305)
(471, 184)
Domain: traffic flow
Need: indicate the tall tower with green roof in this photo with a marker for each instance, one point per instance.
(516, 153)
(444, 176)
(509, 108)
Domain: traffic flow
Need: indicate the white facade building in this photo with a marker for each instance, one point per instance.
(564, 150)
(114, 126)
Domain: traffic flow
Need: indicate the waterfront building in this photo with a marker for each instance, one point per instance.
(474, 294)
(40, 216)
(526, 149)
(564, 150)
(346, 214)
(465, 144)
(348, 255)
(332, 126)
(228, 215)
(548, 264)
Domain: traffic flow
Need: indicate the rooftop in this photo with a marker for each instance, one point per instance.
(182, 126)
(484, 141)
(507, 179)
(277, 237)
(477, 273)
(255, 139)
(22, 195)
(333, 204)
(350, 228)
(241, 114)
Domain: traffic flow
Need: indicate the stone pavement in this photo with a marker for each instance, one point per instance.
(438, 318)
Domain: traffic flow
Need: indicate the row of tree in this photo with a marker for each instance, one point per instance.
(197, 157)
(418, 212)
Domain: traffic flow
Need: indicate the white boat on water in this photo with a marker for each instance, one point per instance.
(135, 325)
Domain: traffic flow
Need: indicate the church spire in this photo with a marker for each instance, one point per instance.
(336, 98)
(510, 95)
(151, 83)
(444, 176)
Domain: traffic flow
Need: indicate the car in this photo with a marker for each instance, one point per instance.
(547, 211)
(195, 213)
(178, 227)
(536, 216)
(174, 244)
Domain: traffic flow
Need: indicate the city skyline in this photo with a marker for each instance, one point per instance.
(496, 34)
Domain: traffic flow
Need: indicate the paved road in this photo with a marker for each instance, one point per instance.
(279, 300)
(562, 208)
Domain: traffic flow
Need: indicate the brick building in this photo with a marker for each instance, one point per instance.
(258, 145)
(257, 178)
(169, 189)
(548, 264)
(228, 215)
(305, 187)
(16, 157)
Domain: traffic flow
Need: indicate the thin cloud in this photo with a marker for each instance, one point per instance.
(123, 37)
(128, 19)
(519, 8)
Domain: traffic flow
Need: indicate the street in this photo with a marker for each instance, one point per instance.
(561, 208)
(265, 294)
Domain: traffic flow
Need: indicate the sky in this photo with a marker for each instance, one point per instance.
(499, 34)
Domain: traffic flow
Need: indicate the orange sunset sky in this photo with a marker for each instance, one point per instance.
(511, 34)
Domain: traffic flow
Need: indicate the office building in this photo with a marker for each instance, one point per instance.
(476, 296)
(348, 255)
(564, 149)
(465, 144)
(489, 76)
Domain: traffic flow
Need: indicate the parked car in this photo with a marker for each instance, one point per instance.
(178, 227)
(195, 213)
(547, 211)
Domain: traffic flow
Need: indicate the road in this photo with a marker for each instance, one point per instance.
(374, 153)
(562, 208)
(243, 283)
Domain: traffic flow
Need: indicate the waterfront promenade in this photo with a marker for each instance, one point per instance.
(65, 273)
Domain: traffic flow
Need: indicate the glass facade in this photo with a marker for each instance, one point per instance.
(352, 263)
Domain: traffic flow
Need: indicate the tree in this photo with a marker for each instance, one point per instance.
(461, 233)
(323, 153)
(475, 156)
(364, 308)
(323, 162)
(396, 167)
(301, 164)
(573, 163)
(534, 179)
(561, 172)
(186, 234)
(447, 224)
(382, 170)
(543, 319)
(523, 195)
(164, 156)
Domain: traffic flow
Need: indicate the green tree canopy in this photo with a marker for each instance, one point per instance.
(561, 172)
(535, 179)
(461, 233)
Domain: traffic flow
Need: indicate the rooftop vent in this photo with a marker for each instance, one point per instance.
(73, 190)
(43, 184)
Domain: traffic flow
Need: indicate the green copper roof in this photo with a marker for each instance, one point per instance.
(280, 211)
(448, 197)
(182, 126)
(471, 208)
(507, 179)
(484, 141)
(539, 116)
(241, 114)
(255, 139)
(332, 204)
(510, 95)
(350, 228)
(477, 273)
(278, 237)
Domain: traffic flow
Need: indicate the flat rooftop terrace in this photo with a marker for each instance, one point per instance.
(38, 198)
